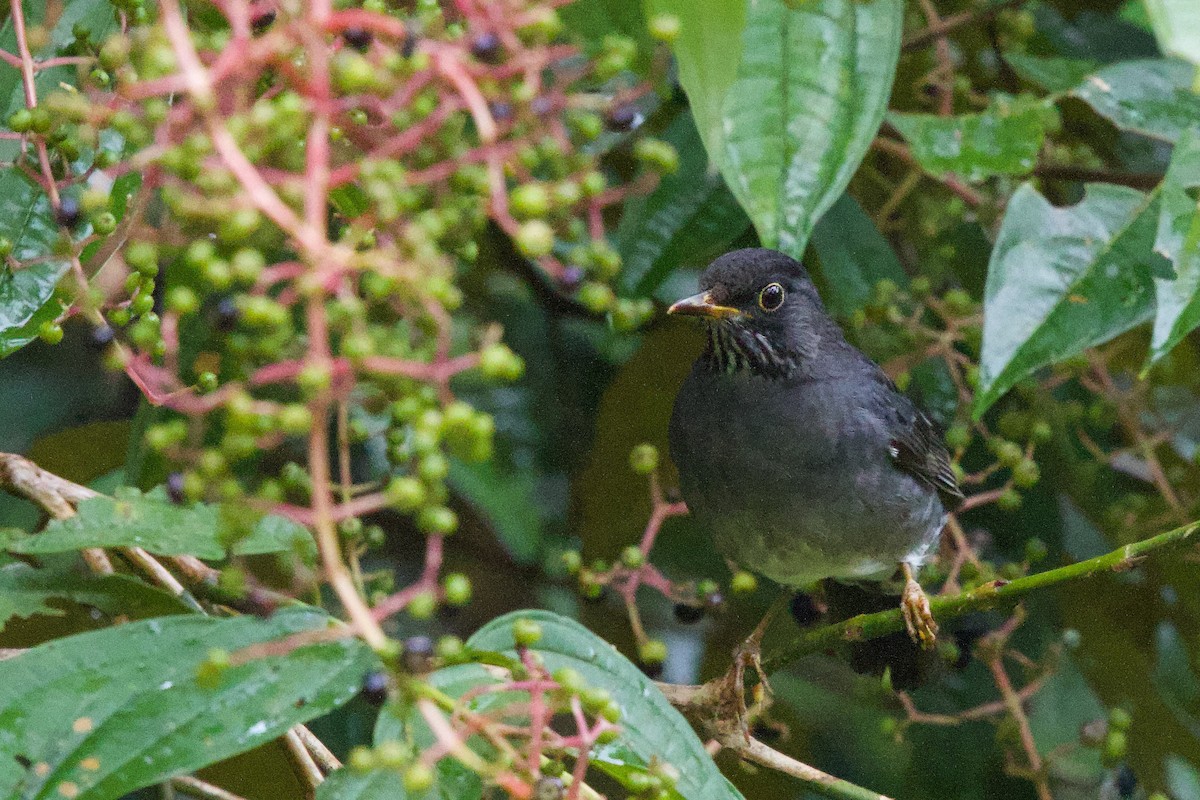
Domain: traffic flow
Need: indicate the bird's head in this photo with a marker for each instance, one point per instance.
(763, 313)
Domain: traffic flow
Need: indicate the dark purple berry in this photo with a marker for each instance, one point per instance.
(571, 278)
(418, 654)
(541, 105)
(501, 111)
(375, 688)
(68, 212)
(409, 45)
(548, 788)
(714, 603)
(1126, 782)
(263, 21)
(358, 38)
(651, 670)
(227, 314)
(688, 614)
(175, 487)
(102, 336)
(623, 118)
(486, 47)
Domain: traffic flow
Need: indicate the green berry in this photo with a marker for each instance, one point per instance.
(596, 297)
(1026, 473)
(1035, 550)
(530, 201)
(422, 605)
(572, 561)
(295, 419)
(643, 459)
(958, 436)
(418, 778)
(1009, 501)
(569, 680)
(20, 121)
(362, 759)
(658, 155)
(457, 588)
(405, 494)
(665, 27)
(498, 362)
(50, 332)
(1119, 719)
(535, 239)
(526, 632)
(651, 652)
(632, 557)
(437, 520)
(743, 583)
(183, 300)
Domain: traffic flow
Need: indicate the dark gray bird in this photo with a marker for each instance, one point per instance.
(794, 449)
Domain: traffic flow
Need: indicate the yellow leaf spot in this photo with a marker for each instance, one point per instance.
(91, 762)
(1077, 298)
(68, 789)
(82, 725)
(41, 769)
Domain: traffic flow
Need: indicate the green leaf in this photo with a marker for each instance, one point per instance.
(1176, 27)
(1061, 280)
(1153, 97)
(508, 500)
(650, 727)
(25, 591)
(1179, 242)
(1002, 140)
(854, 257)
(154, 523)
(378, 784)
(787, 100)
(27, 222)
(687, 220)
(1052, 73)
(108, 712)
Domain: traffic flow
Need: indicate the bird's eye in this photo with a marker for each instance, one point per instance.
(771, 297)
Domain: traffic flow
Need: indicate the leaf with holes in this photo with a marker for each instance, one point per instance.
(101, 714)
(1061, 280)
(1153, 97)
(25, 591)
(787, 99)
(1004, 139)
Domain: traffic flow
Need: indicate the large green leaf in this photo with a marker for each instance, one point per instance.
(1153, 97)
(100, 714)
(1179, 242)
(1004, 139)
(25, 591)
(651, 729)
(788, 100)
(378, 784)
(688, 219)
(1176, 27)
(1064, 279)
(854, 257)
(154, 523)
(508, 498)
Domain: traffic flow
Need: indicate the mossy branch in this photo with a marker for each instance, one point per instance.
(990, 595)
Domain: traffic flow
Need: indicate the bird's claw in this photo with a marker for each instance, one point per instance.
(918, 617)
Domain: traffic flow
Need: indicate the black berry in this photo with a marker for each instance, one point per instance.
(623, 118)
(486, 47)
(68, 212)
(375, 688)
(688, 613)
(358, 38)
(175, 487)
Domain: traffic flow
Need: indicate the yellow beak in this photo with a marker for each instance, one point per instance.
(702, 305)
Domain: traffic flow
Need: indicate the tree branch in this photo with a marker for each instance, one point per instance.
(881, 623)
(952, 23)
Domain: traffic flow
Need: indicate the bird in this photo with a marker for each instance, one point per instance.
(795, 451)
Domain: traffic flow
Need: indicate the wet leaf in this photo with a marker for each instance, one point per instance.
(1052, 73)
(1061, 280)
(1002, 140)
(1178, 241)
(1153, 97)
(107, 712)
(787, 99)
(25, 591)
(154, 523)
(1176, 27)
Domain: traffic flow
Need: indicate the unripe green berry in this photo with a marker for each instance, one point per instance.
(1026, 473)
(295, 419)
(50, 332)
(437, 520)
(596, 297)
(457, 588)
(418, 778)
(1009, 501)
(422, 605)
(958, 436)
(632, 557)
(643, 459)
(535, 239)
(526, 632)
(405, 494)
(665, 27)
(572, 561)
(529, 201)
(183, 300)
(498, 362)
(1035, 550)
(743, 583)
(652, 651)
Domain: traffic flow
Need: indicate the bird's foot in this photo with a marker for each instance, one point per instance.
(918, 617)
(749, 654)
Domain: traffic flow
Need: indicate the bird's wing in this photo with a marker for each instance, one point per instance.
(916, 447)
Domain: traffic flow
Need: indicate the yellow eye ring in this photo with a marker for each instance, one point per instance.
(771, 297)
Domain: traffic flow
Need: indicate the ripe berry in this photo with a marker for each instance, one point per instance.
(358, 38)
